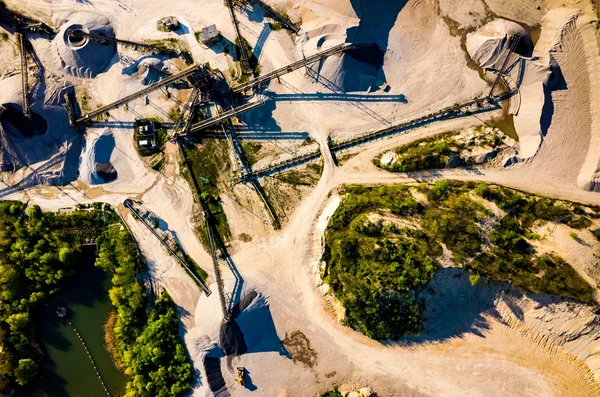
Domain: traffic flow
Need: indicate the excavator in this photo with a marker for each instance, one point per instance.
(240, 375)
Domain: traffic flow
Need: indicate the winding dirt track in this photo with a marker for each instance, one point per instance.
(502, 363)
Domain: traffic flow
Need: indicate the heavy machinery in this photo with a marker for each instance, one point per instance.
(240, 375)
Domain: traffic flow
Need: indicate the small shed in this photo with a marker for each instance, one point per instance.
(169, 23)
(146, 134)
(209, 35)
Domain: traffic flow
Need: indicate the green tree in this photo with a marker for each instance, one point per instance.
(26, 371)
(18, 321)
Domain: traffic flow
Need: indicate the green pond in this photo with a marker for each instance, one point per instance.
(68, 371)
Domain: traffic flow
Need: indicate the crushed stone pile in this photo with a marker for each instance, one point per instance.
(488, 45)
(53, 147)
(96, 167)
(81, 56)
(361, 69)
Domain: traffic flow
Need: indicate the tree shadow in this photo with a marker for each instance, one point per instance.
(453, 307)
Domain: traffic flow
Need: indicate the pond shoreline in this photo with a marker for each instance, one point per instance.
(75, 347)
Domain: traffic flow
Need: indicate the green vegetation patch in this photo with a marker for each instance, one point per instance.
(251, 150)
(39, 253)
(210, 162)
(332, 393)
(308, 177)
(169, 44)
(377, 268)
(443, 151)
(148, 346)
(424, 155)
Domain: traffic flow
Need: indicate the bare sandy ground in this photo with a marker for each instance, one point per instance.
(425, 65)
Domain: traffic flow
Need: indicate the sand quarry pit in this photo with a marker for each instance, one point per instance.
(414, 57)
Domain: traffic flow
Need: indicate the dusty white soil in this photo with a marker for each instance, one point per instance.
(546, 351)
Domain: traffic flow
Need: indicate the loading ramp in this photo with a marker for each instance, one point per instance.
(211, 232)
(513, 46)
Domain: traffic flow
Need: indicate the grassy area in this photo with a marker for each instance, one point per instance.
(175, 113)
(424, 155)
(376, 265)
(169, 44)
(210, 162)
(251, 150)
(159, 163)
(332, 393)
(438, 152)
(309, 177)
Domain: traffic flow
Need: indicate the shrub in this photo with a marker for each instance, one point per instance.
(574, 235)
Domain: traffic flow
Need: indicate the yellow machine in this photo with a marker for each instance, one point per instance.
(240, 375)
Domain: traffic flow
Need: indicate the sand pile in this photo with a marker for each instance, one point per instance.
(80, 55)
(148, 69)
(360, 69)
(488, 45)
(454, 307)
(96, 167)
(537, 79)
(542, 76)
(217, 345)
(589, 177)
(24, 142)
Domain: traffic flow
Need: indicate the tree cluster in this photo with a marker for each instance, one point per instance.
(39, 253)
(148, 346)
(377, 270)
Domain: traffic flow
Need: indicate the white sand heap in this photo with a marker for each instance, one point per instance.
(53, 147)
(148, 69)
(80, 55)
(487, 45)
(531, 121)
(348, 72)
(589, 176)
(219, 347)
(96, 167)
(353, 71)
(454, 307)
(540, 77)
